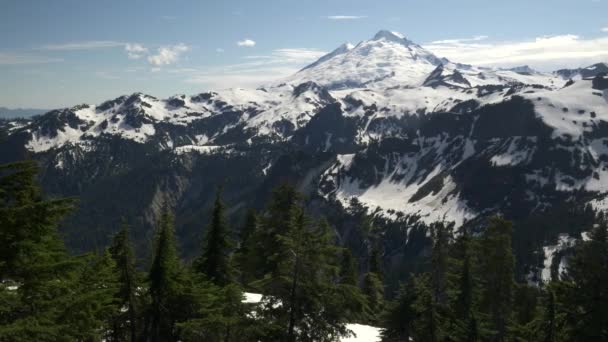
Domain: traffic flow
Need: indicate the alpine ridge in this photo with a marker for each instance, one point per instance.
(408, 133)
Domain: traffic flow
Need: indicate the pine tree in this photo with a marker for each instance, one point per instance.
(277, 221)
(375, 261)
(463, 307)
(373, 289)
(439, 261)
(304, 281)
(584, 292)
(45, 294)
(399, 317)
(427, 325)
(125, 325)
(549, 324)
(497, 280)
(247, 254)
(348, 269)
(214, 261)
(163, 279)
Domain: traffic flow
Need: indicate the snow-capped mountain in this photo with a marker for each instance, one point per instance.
(386, 121)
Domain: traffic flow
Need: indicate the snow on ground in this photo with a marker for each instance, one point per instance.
(443, 204)
(564, 241)
(208, 149)
(568, 108)
(364, 333)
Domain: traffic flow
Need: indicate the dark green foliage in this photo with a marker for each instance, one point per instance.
(496, 274)
(348, 269)
(400, 315)
(45, 294)
(126, 324)
(374, 293)
(464, 290)
(303, 298)
(214, 261)
(246, 256)
(584, 293)
(167, 283)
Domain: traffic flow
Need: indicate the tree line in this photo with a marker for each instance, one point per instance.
(310, 286)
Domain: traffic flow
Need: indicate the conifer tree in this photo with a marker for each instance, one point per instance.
(304, 281)
(125, 325)
(163, 279)
(373, 289)
(584, 291)
(247, 254)
(348, 269)
(427, 325)
(400, 315)
(45, 294)
(497, 280)
(215, 261)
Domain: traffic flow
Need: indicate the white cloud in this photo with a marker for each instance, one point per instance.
(543, 53)
(135, 51)
(257, 70)
(168, 54)
(460, 40)
(219, 50)
(86, 45)
(246, 43)
(604, 29)
(346, 17)
(16, 59)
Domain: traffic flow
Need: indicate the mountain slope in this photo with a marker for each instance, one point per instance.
(406, 132)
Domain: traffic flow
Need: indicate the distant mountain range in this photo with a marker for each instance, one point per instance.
(6, 113)
(408, 133)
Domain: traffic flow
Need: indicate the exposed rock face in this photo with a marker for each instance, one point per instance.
(385, 121)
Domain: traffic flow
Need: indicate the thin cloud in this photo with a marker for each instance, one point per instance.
(604, 29)
(246, 43)
(544, 53)
(219, 50)
(345, 17)
(257, 69)
(461, 40)
(135, 51)
(19, 59)
(168, 54)
(87, 45)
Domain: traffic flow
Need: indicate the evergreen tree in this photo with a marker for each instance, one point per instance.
(439, 261)
(549, 321)
(247, 254)
(304, 281)
(277, 221)
(215, 259)
(164, 283)
(497, 265)
(427, 325)
(465, 325)
(585, 290)
(125, 325)
(348, 269)
(373, 289)
(399, 317)
(375, 260)
(45, 294)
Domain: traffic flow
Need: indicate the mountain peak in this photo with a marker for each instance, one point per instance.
(344, 48)
(390, 36)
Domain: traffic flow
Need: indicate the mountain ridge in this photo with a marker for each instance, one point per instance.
(410, 135)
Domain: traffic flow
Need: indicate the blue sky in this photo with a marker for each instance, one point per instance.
(64, 52)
